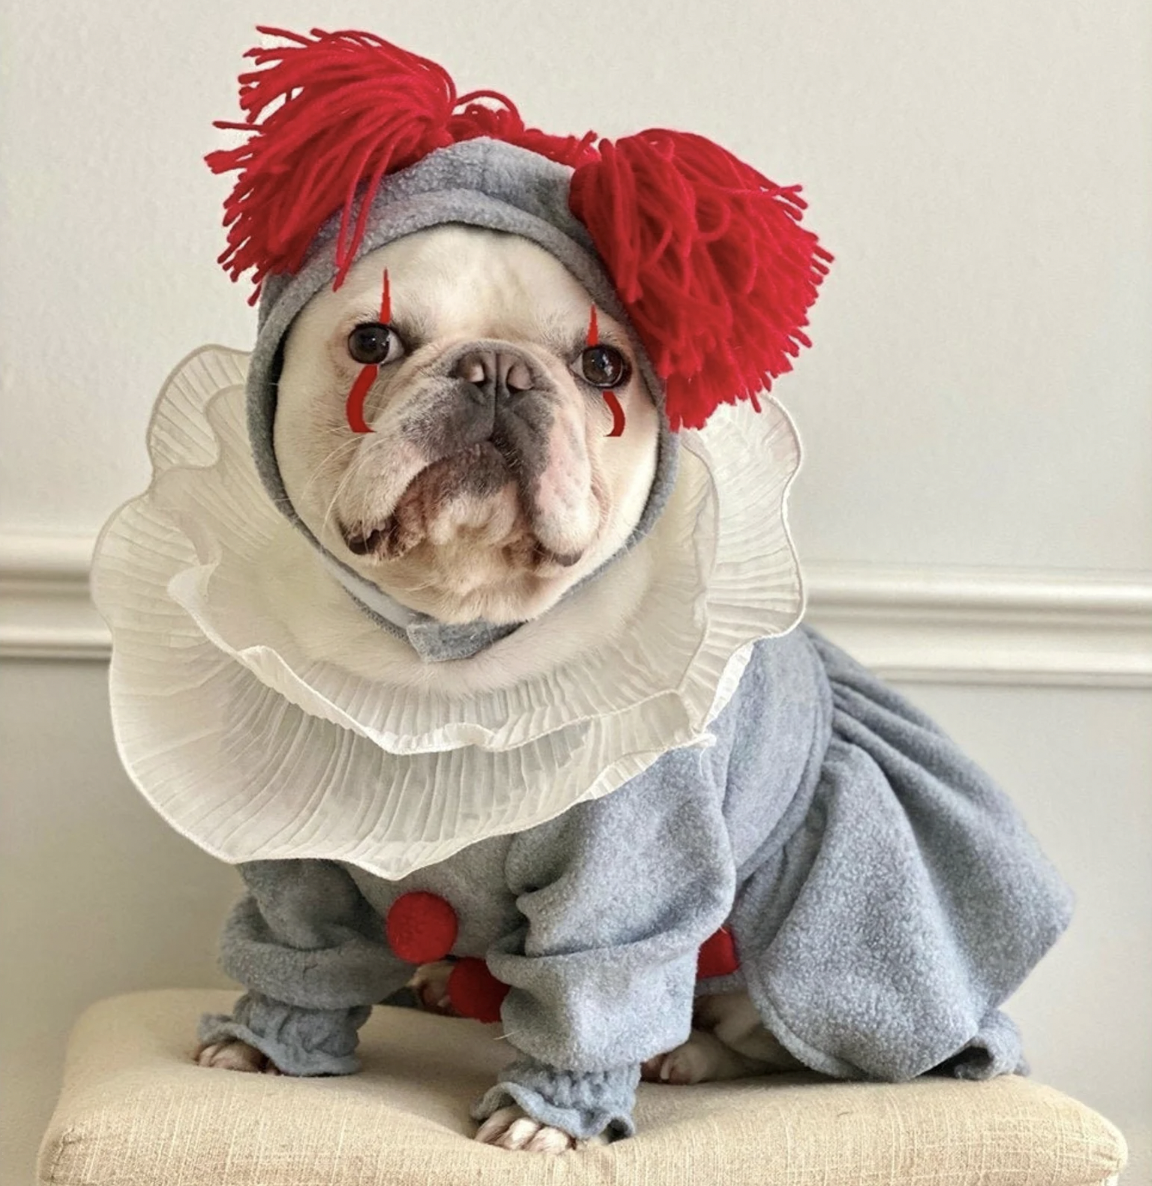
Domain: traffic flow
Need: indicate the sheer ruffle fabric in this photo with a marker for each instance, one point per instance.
(266, 716)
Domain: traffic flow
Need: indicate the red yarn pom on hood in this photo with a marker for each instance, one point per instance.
(707, 255)
(328, 116)
(710, 260)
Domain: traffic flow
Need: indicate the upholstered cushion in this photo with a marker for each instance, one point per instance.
(135, 1111)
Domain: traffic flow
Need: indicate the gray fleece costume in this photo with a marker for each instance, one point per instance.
(884, 896)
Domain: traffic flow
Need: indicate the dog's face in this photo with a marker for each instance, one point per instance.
(489, 485)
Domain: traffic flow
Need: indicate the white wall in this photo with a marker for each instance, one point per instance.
(979, 396)
(97, 894)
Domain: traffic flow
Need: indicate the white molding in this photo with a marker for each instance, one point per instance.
(990, 625)
(953, 625)
(45, 610)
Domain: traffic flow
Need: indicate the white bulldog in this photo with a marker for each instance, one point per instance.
(654, 820)
(487, 488)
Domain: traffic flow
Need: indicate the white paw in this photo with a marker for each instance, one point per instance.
(688, 1063)
(430, 984)
(234, 1055)
(702, 1059)
(512, 1128)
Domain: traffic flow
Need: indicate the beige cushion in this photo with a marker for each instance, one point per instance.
(135, 1111)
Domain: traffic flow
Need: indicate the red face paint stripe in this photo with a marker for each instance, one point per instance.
(593, 329)
(354, 409)
(617, 413)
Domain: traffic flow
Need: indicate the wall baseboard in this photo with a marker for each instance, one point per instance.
(952, 625)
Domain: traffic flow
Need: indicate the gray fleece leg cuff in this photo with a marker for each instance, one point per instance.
(299, 1041)
(584, 1104)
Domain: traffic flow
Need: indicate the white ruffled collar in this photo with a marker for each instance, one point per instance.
(266, 716)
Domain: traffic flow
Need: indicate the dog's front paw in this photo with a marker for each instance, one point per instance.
(234, 1055)
(430, 984)
(513, 1128)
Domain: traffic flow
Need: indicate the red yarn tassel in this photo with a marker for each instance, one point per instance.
(710, 260)
(327, 117)
(324, 114)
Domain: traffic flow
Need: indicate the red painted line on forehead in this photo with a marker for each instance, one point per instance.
(593, 329)
(386, 302)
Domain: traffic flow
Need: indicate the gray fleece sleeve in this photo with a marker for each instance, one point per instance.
(311, 952)
(617, 896)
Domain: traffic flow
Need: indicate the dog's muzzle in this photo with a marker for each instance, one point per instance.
(485, 421)
(490, 392)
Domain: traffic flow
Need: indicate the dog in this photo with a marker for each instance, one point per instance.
(434, 622)
(465, 509)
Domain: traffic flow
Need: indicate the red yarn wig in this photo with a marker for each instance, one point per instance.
(706, 254)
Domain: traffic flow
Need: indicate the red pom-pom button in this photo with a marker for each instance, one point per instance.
(474, 992)
(421, 927)
(717, 956)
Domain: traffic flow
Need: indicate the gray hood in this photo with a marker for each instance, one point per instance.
(482, 183)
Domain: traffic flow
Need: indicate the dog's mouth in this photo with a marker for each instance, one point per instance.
(474, 495)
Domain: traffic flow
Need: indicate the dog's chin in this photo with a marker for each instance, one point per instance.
(457, 583)
(461, 546)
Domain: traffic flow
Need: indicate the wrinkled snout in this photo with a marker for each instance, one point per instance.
(490, 391)
(499, 458)
(495, 372)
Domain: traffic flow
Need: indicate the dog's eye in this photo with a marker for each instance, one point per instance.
(374, 343)
(603, 366)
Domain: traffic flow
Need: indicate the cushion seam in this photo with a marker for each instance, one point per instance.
(70, 1136)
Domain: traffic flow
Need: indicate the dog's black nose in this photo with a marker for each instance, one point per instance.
(495, 373)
